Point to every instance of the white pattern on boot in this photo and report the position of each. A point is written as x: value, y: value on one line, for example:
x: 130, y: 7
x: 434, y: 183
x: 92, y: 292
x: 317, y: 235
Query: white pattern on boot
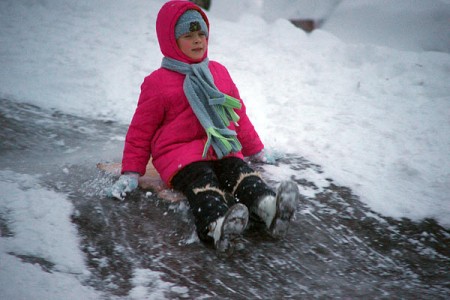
x: 217, y: 229
x: 266, y: 209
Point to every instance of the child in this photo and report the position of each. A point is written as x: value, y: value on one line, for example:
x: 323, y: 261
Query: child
x: 191, y: 120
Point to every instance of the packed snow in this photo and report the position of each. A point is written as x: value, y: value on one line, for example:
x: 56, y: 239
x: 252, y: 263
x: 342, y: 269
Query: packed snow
x: 370, y: 104
x: 44, y: 236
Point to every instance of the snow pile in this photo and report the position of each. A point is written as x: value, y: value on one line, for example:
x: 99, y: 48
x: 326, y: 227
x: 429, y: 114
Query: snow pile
x: 38, y: 241
x: 376, y: 119
x: 275, y: 9
x: 411, y: 25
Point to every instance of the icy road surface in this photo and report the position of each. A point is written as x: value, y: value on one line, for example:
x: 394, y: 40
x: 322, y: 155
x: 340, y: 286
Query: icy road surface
x: 145, y: 248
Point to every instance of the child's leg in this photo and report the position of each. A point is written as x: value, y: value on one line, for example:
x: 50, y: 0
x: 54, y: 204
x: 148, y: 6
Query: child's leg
x: 241, y: 181
x: 275, y: 210
x: 200, y: 185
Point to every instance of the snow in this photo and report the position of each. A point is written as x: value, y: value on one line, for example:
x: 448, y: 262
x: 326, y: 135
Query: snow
x: 412, y: 25
x: 44, y: 234
x: 370, y: 104
x: 148, y: 285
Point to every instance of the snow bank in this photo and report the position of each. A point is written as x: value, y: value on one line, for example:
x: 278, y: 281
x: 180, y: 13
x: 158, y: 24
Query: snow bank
x: 39, y: 247
x: 377, y: 119
x: 411, y: 25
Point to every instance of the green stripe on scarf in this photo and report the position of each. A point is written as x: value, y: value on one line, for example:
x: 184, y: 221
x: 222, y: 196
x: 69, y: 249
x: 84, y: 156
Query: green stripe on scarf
x: 214, y: 109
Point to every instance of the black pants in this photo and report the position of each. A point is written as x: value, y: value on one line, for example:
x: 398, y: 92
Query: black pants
x: 209, y: 185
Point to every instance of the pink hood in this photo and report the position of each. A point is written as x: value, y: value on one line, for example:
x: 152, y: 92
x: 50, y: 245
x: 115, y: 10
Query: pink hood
x: 165, y: 28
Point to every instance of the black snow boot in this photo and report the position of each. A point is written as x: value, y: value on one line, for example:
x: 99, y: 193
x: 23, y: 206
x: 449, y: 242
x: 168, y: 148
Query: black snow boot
x: 227, y: 230
x: 278, y: 211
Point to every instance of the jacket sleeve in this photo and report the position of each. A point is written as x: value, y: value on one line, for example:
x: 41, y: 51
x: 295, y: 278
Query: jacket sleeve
x: 247, y: 135
x: 146, y: 120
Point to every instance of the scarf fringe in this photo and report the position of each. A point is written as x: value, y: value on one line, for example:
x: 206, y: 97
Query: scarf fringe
x: 221, y: 144
x: 225, y: 107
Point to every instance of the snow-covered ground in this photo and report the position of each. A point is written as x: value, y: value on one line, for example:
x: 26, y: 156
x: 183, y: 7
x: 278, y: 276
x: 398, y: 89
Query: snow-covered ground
x: 40, y: 219
x: 370, y: 104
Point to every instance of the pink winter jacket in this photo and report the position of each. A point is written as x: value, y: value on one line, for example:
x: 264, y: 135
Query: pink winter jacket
x: 164, y: 126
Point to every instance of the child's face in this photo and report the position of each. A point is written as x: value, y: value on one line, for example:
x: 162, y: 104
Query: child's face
x: 193, y: 44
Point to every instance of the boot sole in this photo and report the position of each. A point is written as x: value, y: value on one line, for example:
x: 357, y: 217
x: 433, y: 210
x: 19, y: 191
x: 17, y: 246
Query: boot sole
x: 287, y: 198
x: 234, y: 223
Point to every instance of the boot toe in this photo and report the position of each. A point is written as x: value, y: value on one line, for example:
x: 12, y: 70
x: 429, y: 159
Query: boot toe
x: 287, y: 198
x: 234, y: 223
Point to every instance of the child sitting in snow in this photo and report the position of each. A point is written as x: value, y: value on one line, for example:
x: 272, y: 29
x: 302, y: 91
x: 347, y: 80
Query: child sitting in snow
x: 192, y: 122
